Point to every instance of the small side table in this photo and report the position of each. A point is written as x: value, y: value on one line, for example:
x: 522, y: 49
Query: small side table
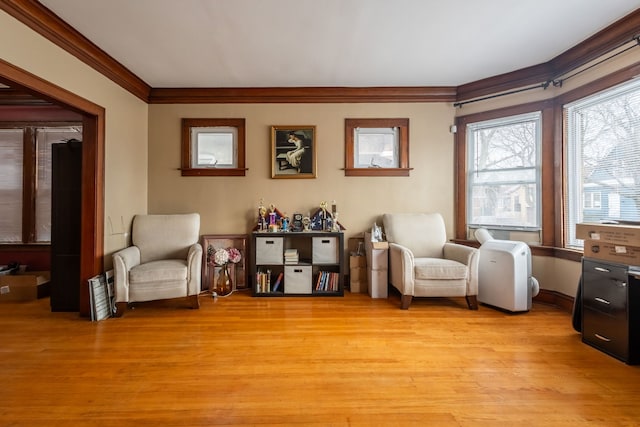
x: 377, y: 267
x: 239, y: 272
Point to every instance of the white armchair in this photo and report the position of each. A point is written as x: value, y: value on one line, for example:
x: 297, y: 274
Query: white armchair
x: 423, y: 264
x: 164, y: 261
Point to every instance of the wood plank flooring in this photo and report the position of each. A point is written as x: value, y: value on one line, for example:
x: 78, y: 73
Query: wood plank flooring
x: 352, y: 361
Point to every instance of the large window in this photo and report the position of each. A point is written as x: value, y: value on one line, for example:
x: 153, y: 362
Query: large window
x: 504, y: 173
x: 25, y: 181
x: 603, y: 158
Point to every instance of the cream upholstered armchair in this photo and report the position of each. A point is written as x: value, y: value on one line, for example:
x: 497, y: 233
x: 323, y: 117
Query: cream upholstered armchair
x: 164, y: 261
x: 423, y: 264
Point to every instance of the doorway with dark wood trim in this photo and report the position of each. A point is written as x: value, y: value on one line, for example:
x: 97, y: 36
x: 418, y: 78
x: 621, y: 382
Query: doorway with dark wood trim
x: 92, y: 204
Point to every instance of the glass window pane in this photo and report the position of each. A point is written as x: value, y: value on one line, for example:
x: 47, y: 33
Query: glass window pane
x: 11, y: 163
x: 214, y: 147
x: 504, y: 206
x: 376, y: 148
x: 504, y: 172
x: 603, y: 162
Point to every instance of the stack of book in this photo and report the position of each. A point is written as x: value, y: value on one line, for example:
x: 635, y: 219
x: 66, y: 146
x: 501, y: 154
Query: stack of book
x: 291, y: 256
x: 263, y: 281
x: 328, y: 281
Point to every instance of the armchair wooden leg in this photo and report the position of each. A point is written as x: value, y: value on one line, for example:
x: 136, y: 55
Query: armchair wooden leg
x: 472, y: 302
x: 120, y: 308
x: 405, y: 301
x: 195, y: 301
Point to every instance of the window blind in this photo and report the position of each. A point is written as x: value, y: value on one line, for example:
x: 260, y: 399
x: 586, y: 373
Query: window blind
x: 603, y: 158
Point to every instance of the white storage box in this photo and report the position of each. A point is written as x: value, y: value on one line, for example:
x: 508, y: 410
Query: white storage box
x: 325, y: 250
x: 379, y: 259
x: 269, y: 250
x: 297, y: 279
x: 378, y: 284
x: 377, y: 267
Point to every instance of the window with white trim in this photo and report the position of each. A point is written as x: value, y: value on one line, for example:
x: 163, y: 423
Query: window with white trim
x: 504, y: 173
x: 603, y: 158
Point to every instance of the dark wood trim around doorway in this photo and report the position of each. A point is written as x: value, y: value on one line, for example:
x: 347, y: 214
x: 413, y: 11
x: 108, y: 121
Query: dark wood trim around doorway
x: 92, y: 224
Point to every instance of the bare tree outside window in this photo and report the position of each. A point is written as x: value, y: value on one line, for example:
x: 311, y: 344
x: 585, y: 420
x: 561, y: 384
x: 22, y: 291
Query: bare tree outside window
x: 603, y: 168
x: 504, y: 170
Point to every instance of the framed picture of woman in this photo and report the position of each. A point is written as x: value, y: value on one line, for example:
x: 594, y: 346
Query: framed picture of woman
x: 293, y: 151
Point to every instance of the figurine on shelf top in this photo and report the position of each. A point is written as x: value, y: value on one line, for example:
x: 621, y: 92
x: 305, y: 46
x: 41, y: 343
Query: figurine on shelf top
x: 273, y: 219
x: 262, y: 212
x: 284, y: 222
x: 306, y: 222
x: 296, y: 223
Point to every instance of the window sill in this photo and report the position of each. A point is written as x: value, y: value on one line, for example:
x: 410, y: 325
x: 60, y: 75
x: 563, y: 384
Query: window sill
x: 214, y: 172
x: 377, y: 171
x: 536, y: 250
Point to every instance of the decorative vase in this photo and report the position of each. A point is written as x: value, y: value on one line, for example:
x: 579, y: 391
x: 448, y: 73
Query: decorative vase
x: 223, y: 284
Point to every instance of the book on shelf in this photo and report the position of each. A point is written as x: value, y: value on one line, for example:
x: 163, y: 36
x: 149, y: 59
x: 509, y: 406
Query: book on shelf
x: 263, y: 281
x: 278, y: 280
x: 327, y: 281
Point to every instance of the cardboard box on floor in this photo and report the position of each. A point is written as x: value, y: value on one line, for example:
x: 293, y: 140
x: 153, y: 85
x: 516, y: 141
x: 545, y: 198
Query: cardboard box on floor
x: 24, y: 286
x: 621, y: 234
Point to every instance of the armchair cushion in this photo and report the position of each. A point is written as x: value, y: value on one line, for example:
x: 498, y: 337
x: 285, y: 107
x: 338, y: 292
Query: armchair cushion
x: 172, y: 270
x: 439, y: 269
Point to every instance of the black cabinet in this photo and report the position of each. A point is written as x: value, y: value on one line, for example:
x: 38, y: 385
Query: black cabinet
x: 610, y: 299
x: 66, y: 187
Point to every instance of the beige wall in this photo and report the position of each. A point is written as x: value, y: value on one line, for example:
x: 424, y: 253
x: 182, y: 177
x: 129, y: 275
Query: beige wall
x: 229, y: 204
x: 126, y: 120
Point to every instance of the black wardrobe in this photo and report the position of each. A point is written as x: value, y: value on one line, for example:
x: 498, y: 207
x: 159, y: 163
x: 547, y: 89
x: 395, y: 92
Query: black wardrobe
x: 66, y: 186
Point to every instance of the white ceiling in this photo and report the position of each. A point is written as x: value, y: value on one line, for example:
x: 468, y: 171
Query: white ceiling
x: 360, y: 43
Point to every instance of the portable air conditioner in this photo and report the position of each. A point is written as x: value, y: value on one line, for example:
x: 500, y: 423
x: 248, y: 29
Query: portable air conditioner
x: 504, y: 273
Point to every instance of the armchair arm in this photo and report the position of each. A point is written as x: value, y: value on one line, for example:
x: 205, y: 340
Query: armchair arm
x: 194, y: 269
x: 123, y: 261
x: 401, y: 268
x: 468, y: 256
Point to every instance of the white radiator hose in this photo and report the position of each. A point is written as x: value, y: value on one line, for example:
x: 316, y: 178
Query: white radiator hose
x: 483, y: 235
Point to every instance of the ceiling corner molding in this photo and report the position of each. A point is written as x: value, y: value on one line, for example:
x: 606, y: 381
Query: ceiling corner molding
x: 505, y: 82
x: 301, y: 95
x: 606, y: 40
x: 43, y: 21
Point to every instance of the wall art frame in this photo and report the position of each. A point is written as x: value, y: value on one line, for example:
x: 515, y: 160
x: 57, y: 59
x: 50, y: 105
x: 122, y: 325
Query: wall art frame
x: 293, y: 151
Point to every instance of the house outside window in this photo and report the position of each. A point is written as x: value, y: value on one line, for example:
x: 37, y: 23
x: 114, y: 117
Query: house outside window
x: 504, y: 173
x: 592, y: 199
x: 603, y: 158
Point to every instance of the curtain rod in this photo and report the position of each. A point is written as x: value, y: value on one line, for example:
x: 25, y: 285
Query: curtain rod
x: 556, y: 82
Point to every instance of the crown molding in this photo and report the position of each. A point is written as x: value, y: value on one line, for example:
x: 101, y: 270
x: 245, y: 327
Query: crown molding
x: 301, y: 95
x: 43, y: 21
x: 612, y: 37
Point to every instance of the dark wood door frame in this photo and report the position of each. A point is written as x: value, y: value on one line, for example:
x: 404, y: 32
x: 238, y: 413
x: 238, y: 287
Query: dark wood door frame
x: 92, y: 222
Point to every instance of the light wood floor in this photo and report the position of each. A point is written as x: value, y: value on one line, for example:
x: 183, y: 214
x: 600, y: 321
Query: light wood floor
x: 351, y: 361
